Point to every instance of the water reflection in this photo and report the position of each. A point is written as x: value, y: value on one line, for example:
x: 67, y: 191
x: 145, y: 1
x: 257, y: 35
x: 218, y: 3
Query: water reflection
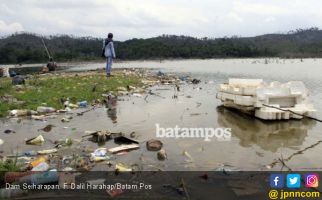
x: 269, y: 136
x: 111, y: 103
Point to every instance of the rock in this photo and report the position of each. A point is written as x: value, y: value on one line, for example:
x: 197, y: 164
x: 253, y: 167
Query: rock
x: 154, y: 145
x: 1, y: 142
x: 162, y: 155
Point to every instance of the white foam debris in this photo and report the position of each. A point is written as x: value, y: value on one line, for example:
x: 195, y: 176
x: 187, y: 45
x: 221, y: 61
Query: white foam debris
x: 256, y: 97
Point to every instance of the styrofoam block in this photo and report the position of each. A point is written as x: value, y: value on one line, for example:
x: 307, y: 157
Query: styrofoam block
x: 245, y: 82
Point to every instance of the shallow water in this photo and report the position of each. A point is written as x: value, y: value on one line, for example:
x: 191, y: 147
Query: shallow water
x: 253, y: 145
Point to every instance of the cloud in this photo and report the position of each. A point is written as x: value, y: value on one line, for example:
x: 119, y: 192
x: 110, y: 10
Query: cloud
x: 10, y: 28
x: 145, y: 18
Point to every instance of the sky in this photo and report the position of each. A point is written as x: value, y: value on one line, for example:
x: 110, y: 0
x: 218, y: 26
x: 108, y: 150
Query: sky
x: 128, y: 19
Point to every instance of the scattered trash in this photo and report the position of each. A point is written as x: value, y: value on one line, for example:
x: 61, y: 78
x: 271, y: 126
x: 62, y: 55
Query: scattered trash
x: 68, y: 169
x: 121, y: 89
x: 43, y: 109
x: 47, y: 128
x: 99, y: 155
x: 30, y: 153
x: 267, y: 101
x: 18, y: 80
x: 1, y: 142
x: 38, y: 117
x: 185, y: 153
x: 183, y: 78
x: 83, y: 104
x: 120, y: 167
x: 63, y: 142
x: 65, y: 120
x: 47, y: 151
x: 22, y: 113
x: 98, y: 136
x: 38, y: 161
x: 99, y: 158
x: 133, y: 134
x: 162, y: 155
x: 137, y: 95
x: 67, y: 160
x: 124, y: 148
x: 154, y: 145
x: 99, y: 152
x: 130, y: 87
x: 71, y: 105
x: 160, y: 73
x: 195, y: 81
x: 124, y: 140
x: 41, y: 167
x: 36, y: 140
x: 8, y: 131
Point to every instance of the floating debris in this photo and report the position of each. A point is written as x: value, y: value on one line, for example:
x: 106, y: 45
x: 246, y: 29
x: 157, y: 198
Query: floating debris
x: 47, y: 151
x: 8, y: 131
x: 120, y: 167
x: 124, y: 148
x: 154, y: 145
x: 274, y: 101
x: 124, y: 140
x: 47, y: 128
x: 162, y: 155
x: 36, y: 140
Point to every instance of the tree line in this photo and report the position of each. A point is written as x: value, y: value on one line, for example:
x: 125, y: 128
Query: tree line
x: 28, y: 47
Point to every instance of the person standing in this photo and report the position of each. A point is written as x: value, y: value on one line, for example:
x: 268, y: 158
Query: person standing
x: 51, y: 65
x: 109, y: 53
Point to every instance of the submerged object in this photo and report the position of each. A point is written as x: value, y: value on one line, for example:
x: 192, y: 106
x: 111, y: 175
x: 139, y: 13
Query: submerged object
x: 274, y: 101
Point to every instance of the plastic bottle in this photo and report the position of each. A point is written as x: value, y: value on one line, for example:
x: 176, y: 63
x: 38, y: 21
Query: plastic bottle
x: 47, y: 151
x: 99, y: 159
x: 82, y: 104
x: 43, y: 109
